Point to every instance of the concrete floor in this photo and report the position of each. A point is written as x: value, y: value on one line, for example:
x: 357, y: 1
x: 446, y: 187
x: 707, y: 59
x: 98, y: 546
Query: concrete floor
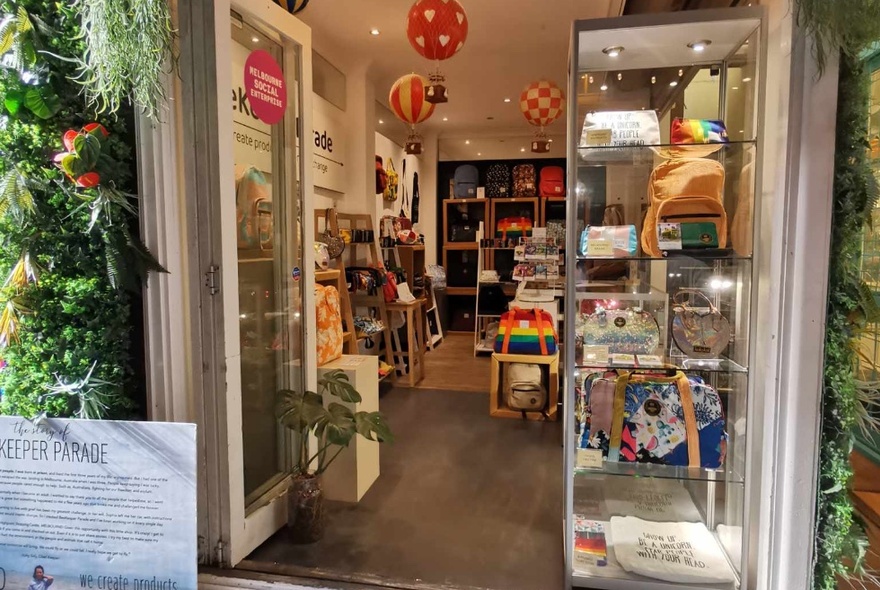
x: 464, y: 501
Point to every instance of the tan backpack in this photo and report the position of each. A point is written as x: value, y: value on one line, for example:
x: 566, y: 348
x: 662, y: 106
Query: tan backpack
x: 684, y: 190
x: 741, y: 229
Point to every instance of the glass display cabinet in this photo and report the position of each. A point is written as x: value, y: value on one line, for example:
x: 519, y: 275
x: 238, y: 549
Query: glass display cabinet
x: 663, y: 161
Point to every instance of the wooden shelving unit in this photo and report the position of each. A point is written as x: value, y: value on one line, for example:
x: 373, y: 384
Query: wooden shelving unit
x: 552, y: 203
x: 412, y: 261
x: 455, y: 252
x: 353, y: 253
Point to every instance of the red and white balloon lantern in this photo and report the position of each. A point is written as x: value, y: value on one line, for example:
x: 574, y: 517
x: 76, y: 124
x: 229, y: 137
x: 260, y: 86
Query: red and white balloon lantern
x: 408, y: 100
x: 542, y: 103
x: 437, y: 30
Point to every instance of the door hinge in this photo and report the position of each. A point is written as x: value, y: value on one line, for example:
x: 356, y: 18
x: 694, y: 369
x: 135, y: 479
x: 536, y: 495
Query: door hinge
x: 218, y: 551
x: 212, y: 279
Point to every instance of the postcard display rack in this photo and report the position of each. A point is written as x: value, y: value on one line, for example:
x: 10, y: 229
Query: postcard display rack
x: 657, y: 384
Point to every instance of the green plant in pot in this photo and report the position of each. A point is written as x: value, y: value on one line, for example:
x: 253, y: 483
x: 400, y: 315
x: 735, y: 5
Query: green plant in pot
x: 334, y: 426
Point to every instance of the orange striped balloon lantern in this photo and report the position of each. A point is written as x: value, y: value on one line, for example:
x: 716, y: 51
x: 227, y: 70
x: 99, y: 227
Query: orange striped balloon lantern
x: 408, y: 100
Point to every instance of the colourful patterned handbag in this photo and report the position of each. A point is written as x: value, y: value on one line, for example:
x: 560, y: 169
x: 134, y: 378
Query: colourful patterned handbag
x: 675, y: 420
x: 623, y: 331
x: 526, y: 331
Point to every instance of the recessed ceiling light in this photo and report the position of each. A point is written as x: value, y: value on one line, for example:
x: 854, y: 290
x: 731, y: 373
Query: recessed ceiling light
x: 522, y: 149
x: 619, y: 76
x: 700, y: 45
x: 747, y: 79
x: 674, y: 83
x: 591, y: 79
x: 613, y: 51
x: 479, y: 153
x: 445, y: 118
x: 255, y: 39
x: 680, y: 73
x: 550, y: 140
x: 735, y: 88
x: 653, y: 79
x: 381, y: 122
x: 467, y: 141
x: 506, y: 100
x: 603, y: 87
x: 374, y: 32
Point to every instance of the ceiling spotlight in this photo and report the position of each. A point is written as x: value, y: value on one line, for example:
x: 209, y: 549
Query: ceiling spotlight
x: 747, y: 79
x: 381, y: 122
x: 467, y: 141
x: 653, y: 79
x: 700, y: 45
x: 674, y: 83
x: 506, y: 100
x: 613, y: 51
x: 735, y: 88
x: 445, y: 118
x: 479, y: 153
x: 680, y: 73
x: 603, y: 87
x: 591, y: 79
x: 255, y: 39
x: 550, y: 140
x: 522, y: 149
x: 619, y: 76
x: 374, y: 32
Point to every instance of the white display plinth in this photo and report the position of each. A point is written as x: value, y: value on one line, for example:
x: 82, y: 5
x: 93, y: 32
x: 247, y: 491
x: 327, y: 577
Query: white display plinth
x: 357, y: 467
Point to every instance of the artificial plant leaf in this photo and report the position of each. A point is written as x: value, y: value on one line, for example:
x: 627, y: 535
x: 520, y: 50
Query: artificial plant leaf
x: 7, y: 33
x: 340, y: 427
x: 42, y: 102
x: 23, y: 21
x: 373, y: 426
x: 88, y: 148
x: 16, y: 198
x: 13, y: 100
x: 68, y: 138
x: 339, y: 385
x: 71, y: 164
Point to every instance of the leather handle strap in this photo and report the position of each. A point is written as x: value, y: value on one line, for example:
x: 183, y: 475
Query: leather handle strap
x: 690, y: 420
x: 677, y: 299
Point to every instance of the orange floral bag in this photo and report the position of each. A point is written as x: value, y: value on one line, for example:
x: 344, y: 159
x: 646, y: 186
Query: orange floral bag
x: 329, y: 320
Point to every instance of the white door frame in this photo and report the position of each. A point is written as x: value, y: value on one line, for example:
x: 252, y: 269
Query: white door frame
x: 194, y: 368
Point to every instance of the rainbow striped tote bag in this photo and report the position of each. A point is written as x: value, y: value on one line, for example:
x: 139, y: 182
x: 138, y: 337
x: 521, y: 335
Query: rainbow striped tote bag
x: 526, y: 331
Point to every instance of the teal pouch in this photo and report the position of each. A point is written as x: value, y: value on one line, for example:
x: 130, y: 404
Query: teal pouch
x: 699, y: 235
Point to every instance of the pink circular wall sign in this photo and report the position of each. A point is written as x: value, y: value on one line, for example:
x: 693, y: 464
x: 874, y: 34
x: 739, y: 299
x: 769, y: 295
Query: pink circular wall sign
x: 265, y: 87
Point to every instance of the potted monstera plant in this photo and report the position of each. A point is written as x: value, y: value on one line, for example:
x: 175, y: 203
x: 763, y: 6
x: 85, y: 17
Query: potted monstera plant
x: 334, y: 426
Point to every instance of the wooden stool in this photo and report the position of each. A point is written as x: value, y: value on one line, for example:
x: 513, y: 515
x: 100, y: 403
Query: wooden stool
x: 415, y: 338
x: 496, y: 403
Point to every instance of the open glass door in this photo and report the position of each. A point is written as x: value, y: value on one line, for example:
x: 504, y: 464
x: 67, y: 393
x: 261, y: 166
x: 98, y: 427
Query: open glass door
x: 263, y: 259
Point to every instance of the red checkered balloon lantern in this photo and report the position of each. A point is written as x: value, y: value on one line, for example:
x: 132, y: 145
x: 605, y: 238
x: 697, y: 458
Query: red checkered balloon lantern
x: 408, y: 100
x: 437, y: 30
x: 542, y: 103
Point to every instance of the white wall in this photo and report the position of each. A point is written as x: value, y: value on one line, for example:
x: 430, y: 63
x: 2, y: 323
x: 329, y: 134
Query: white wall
x: 426, y: 166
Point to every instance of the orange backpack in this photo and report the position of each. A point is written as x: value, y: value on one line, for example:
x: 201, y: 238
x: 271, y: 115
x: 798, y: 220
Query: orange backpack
x: 685, y: 190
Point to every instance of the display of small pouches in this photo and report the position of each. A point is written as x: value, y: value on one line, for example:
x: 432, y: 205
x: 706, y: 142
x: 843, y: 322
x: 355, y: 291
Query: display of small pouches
x: 322, y: 256
x: 615, y: 241
x: 699, y: 332
x: 623, y: 331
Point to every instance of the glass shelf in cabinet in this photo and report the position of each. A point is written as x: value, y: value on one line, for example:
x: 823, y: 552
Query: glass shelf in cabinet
x: 620, y: 469
x: 719, y: 365
x: 709, y: 255
x: 645, y: 154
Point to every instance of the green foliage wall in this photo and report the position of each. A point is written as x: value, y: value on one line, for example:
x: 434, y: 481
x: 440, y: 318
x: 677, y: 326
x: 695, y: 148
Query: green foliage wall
x: 74, y: 322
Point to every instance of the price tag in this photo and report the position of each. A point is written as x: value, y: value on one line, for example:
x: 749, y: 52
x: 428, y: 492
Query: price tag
x: 598, y: 136
x: 589, y: 459
x: 524, y: 324
x: 596, y: 355
x: 539, y: 232
x: 600, y: 248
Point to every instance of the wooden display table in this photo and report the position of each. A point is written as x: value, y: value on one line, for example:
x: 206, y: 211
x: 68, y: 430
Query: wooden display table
x: 414, y: 355
x: 497, y: 407
x: 357, y: 467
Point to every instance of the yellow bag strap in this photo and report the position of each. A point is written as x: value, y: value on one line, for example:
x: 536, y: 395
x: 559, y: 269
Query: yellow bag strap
x: 687, y: 405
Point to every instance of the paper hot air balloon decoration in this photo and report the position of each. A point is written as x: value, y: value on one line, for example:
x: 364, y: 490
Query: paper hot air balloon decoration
x: 408, y: 100
x: 437, y: 30
x: 542, y: 103
x: 292, y: 6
